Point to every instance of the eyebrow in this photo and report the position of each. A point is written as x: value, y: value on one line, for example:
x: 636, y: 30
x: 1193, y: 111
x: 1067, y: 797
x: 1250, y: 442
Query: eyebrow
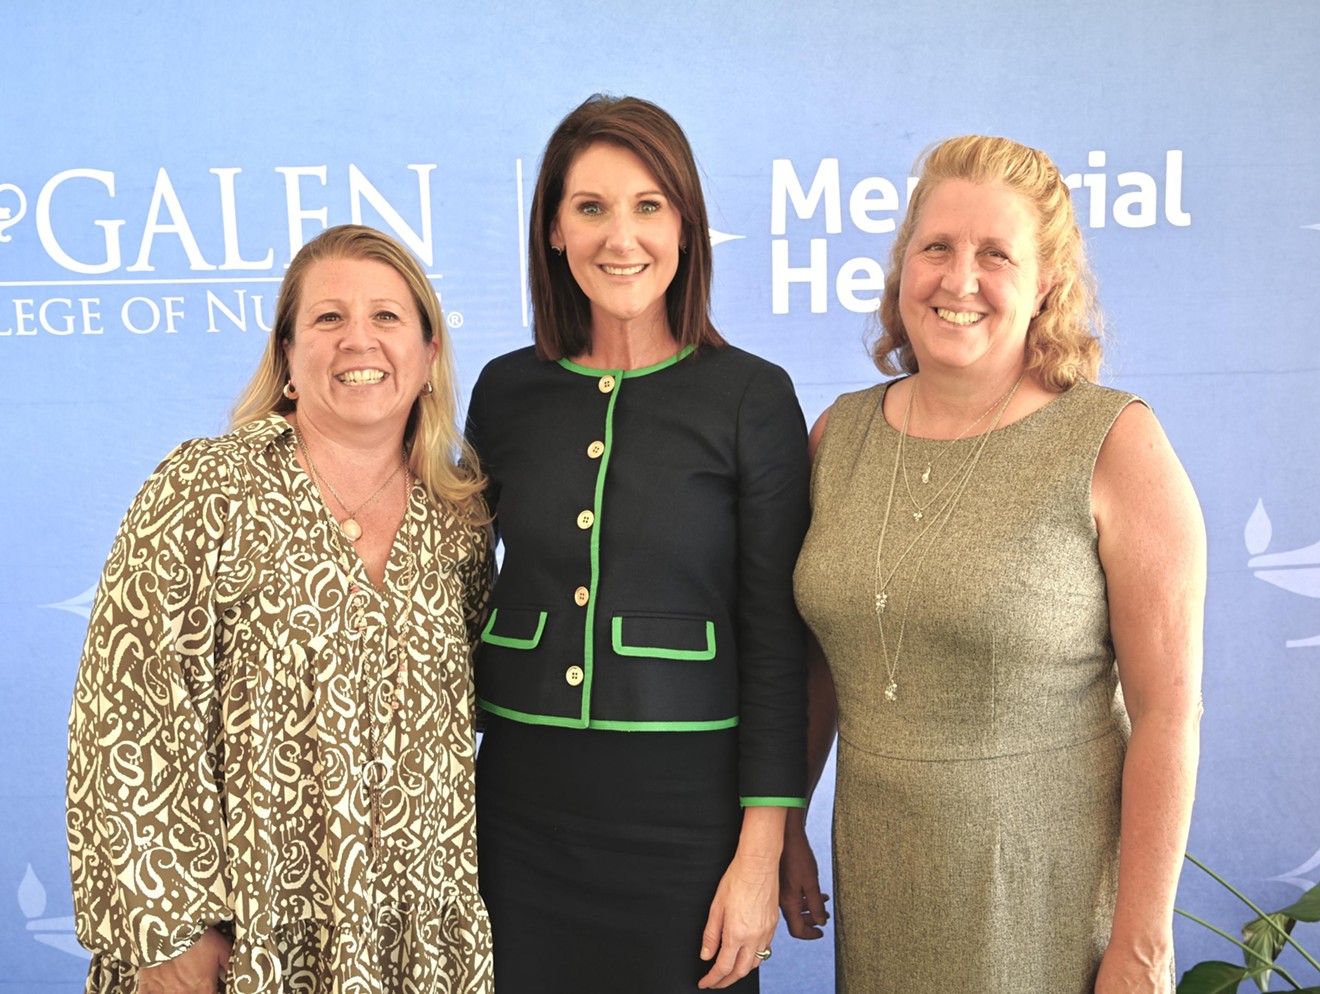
x: 339, y: 302
x: 591, y: 193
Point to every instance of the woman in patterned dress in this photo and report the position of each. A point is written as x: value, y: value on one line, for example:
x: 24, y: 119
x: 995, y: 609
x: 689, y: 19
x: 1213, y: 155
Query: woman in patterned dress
x: 271, y: 747
x: 1006, y: 573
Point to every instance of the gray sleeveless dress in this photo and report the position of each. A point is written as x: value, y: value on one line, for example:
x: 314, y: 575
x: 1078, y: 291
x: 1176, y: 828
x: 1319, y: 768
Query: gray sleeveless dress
x: 976, y: 813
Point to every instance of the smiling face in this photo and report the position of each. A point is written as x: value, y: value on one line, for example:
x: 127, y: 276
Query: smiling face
x: 358, y: 356
x: 971, y: 281
x: 620, y: 234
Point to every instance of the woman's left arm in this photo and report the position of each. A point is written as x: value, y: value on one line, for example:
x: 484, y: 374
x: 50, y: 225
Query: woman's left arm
x: 1152, y: 548
x: 773, y: 512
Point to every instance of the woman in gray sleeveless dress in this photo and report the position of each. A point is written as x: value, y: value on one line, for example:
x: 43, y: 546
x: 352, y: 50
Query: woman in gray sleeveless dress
x: 1005, y: 572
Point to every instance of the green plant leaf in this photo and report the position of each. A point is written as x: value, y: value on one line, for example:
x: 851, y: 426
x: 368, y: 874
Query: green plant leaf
x: 1213, y: 977
x: 1306, y: 908
x: 1264, y: 937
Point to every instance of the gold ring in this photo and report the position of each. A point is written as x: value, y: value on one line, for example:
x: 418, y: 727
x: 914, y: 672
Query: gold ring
x: 763, y: 954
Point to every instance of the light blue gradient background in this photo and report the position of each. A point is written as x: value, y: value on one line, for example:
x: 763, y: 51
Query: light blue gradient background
x: 1213, y: 322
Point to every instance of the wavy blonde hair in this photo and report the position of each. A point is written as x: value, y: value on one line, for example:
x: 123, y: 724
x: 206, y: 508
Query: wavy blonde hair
x: 1064, y: 340
x: 438, y: 454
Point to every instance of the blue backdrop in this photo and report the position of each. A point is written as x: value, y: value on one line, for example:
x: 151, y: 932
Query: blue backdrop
x: 160, y: 163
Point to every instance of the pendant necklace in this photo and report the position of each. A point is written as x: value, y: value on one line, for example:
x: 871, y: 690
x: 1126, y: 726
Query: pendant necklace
x: 932, y: 529
x: 919, y: 509
x: 349, y: 527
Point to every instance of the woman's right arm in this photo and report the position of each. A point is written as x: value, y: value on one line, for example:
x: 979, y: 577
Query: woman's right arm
x: 144, y: 807
x: 800, y: 898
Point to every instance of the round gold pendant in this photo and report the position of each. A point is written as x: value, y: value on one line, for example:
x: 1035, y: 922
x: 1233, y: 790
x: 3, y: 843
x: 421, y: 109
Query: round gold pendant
x: 351, y: 529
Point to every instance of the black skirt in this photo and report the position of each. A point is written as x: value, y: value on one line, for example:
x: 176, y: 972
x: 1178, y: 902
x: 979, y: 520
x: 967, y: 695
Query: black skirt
x: 600, y: 852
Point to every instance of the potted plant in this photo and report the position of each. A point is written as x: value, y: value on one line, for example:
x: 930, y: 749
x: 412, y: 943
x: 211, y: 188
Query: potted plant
x: 1264, y: 937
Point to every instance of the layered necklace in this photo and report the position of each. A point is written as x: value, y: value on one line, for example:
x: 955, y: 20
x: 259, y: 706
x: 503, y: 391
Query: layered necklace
x: 919, y: 509
x: 349, y: 527
x: 947, y: 498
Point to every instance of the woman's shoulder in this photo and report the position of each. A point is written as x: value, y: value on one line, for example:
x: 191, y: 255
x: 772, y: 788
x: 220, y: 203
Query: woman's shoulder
x: 517, y: 363
x: 222, y: 461
x: 733, y: 357
x: 857, y: 405
x: 1086, y: 394
x: 732, y: 365
x: 1090, y: 407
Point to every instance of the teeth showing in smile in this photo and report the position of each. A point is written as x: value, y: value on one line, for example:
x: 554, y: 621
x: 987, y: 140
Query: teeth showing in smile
x: 361, y: 377
x: 624, y: 270
x: 959, y: 317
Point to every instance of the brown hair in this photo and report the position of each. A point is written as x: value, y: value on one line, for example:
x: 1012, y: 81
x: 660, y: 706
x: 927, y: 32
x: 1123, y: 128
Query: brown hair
x: 437, y: 453
x: 1064, y: 340
x: 561, y: 311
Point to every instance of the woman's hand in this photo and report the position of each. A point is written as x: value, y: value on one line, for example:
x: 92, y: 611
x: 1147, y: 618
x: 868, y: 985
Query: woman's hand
x: 743, y: 915
x: 197, y: 971
x: 800, y: 898
x: 1122, y: 971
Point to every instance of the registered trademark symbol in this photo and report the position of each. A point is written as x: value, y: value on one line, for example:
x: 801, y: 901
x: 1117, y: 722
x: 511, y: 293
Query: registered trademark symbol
x: 454, y: 319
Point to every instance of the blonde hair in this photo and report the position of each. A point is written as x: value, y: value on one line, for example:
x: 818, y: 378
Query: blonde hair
x: 438, y: 454
x: 1063, y: 341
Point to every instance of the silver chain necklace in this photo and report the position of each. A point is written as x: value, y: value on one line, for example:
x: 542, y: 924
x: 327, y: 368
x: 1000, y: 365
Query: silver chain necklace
x: 941, y: 518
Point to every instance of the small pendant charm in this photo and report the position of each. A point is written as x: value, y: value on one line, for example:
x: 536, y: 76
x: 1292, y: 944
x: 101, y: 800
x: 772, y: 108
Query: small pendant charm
x: 881, y: 599
x: 925, y: 474
x: 891, y: 690
x: 351, y: 529
x: 917, y: 515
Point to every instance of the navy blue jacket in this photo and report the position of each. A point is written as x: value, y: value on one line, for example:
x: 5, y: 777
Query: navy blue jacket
x: 650, y: 521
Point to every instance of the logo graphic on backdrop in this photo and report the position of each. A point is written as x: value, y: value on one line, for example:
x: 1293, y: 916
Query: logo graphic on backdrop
x: 1296, y: 570
x: 8, y: 218
x: 80, y: 605
x: 1131, y: 199
x: 1295, y: 876
x: 77, y: 225
x: 57, y: 932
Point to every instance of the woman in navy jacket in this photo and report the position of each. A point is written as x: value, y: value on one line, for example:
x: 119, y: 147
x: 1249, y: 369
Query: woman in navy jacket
x: 642, y: 669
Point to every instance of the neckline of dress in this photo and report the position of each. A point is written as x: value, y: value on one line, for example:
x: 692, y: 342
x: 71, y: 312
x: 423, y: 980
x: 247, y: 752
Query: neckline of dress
x: 922, y: 440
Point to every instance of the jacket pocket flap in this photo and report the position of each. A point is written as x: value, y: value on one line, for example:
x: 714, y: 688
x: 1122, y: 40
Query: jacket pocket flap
x: 663, y: 637
x: 514, y: 627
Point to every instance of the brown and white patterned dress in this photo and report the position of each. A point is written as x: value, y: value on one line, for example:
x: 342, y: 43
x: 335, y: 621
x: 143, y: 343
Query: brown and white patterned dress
x: 233, y: 708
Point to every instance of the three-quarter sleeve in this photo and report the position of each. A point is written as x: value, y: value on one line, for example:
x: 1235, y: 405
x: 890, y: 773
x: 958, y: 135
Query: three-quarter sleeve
x: 145, y: 817
x: 773, y: 513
